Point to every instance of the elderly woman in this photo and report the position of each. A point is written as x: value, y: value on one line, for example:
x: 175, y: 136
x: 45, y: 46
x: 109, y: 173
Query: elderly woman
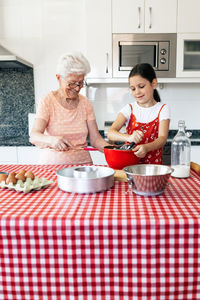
x: 65, y: 118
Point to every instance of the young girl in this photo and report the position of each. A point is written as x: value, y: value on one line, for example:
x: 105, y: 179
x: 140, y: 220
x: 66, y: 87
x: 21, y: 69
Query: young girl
x: 147, y: 120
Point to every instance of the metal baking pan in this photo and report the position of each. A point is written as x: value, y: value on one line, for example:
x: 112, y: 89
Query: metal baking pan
x: 85, y: 179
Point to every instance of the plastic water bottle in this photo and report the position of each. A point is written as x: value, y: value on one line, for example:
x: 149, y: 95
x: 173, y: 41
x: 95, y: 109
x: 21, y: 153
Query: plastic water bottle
x: 180, y: 152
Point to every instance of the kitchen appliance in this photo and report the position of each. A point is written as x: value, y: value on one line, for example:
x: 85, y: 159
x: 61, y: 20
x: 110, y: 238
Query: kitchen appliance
x: 159, y: 50
x: 148, y: 180
x: 118, y: 159
x: 85, y: 179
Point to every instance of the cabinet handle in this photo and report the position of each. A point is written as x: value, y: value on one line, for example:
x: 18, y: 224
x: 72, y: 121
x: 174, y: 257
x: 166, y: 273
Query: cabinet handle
x: 150, y: 17
x: 139, y: 16
x: 106, y: 62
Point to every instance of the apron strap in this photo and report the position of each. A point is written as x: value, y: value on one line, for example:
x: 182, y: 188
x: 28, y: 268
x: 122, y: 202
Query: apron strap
x: 160, y: 110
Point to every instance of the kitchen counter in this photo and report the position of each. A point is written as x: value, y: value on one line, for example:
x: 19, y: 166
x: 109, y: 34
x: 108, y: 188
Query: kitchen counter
x: 112, y: 244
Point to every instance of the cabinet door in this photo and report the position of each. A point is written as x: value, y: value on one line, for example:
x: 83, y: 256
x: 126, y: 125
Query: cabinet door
x: 28, y: 155
x: 188, y: 55
x: 99, y: 37
x: 160, y: 16
x: 188, y: 16
x: 8, y: 155
x: 98, y: 158
x: 195, y: 154
x: 127, y: 16
x: 133, y: 16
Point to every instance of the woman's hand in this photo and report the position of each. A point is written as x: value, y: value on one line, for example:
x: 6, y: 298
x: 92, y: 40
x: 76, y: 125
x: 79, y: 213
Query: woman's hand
x: 60, y: 143
x: 136, y: 137
x: 140, y: 150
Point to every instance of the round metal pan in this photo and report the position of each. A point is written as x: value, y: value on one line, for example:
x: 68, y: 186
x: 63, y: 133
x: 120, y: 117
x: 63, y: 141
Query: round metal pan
x: 85, y: 179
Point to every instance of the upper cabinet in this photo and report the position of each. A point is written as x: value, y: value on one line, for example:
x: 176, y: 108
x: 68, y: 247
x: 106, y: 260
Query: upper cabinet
x: 149, y: 16
x: 188, y: 16
x: 188, y: 55
x: 99, y: 38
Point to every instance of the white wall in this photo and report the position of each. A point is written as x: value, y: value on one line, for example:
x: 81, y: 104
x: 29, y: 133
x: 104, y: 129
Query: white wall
x: 41, y: 30
x: 183, y: 99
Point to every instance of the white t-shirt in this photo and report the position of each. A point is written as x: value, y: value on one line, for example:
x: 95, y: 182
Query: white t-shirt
x: 146, y: 114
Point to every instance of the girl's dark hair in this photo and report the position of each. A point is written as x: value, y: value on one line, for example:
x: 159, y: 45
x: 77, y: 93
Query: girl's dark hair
x: 146, y: 71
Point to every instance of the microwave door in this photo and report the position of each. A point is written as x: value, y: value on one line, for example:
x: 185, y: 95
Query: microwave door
x: 132, y: 53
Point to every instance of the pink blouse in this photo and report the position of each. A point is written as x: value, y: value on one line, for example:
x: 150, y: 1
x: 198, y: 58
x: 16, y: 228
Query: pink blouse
x: 69, y: 123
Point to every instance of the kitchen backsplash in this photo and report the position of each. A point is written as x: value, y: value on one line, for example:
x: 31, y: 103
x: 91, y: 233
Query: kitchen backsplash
x: 17, y: 99
x: 183, y: 100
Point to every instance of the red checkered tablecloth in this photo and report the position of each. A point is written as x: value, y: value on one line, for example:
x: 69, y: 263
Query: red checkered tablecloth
x: 108, y: 245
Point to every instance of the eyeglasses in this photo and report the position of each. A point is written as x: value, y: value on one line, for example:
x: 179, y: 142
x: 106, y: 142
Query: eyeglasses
x: 73, y: 85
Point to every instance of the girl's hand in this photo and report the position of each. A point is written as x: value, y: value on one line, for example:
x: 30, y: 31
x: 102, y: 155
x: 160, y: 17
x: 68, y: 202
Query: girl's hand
x: 136, y: 136
x: 140, y: 150
x: 60, y: 143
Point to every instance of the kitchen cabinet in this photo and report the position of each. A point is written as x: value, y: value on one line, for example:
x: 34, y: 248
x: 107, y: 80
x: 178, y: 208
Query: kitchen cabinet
x: 188, y: 16
x: 28, y: 155
x: 8, y: 155
x: 139, y: 16
x: 188, y: 55
x: 98, y: 158
x: 195, y: 154
x: 98, y: 38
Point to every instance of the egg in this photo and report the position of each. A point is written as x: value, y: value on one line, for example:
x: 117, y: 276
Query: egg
x: 3, y: 177
x: 20, y: 176
x: 29, y: 174
x: 23, y: 171
x: 11, y: 178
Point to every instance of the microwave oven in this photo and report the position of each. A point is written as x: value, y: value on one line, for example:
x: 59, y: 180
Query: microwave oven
x: 159, y: 50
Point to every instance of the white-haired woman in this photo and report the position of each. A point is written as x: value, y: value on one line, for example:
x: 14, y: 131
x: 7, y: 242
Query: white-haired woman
x: 65, y: 118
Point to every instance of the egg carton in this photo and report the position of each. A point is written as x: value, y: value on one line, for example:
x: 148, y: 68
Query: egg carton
x: 28, y: 185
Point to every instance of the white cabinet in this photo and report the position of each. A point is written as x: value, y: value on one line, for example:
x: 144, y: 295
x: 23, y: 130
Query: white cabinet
x: 188, y: 16
x: 188, y: 55
x: 195, y: 154
x: 28, y: 155
x: 98, y: 158
x: 138, y: 16
x: 98, y: 38
x: 8, y: 155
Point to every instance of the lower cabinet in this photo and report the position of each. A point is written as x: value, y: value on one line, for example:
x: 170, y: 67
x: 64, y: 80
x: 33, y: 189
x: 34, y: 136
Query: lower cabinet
x: 98, y: 158
x: 8, y: 155
x: 195, y: 154
x: 28, y: 155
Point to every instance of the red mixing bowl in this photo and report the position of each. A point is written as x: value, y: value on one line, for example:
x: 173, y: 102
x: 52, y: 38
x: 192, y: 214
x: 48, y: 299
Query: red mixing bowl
x: 118, y: 159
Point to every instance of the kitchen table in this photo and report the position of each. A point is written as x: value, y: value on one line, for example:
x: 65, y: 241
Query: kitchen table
x: 108, y: 245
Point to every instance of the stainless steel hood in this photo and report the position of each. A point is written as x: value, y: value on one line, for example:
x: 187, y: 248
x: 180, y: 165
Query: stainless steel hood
x: 10, y: 60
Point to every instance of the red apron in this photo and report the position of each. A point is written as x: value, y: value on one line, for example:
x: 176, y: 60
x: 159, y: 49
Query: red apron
x: 150, y: 131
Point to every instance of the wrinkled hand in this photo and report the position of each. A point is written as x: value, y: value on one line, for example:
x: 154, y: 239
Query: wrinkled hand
x: 60, y: 143
x: 140, y: 150
x: 136, y: 136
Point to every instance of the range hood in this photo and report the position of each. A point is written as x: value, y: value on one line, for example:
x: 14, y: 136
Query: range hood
x: 12, y: 61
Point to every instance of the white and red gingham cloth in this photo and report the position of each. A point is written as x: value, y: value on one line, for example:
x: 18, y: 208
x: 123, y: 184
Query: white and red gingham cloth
x: 108, y: 245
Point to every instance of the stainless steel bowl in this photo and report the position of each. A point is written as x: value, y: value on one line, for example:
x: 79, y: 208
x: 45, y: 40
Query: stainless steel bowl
x: 85, y: 179
x: 148, y: 180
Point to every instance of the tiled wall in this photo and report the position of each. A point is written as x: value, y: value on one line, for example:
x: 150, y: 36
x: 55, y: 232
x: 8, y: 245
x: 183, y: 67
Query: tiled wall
x: 16, y: 101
